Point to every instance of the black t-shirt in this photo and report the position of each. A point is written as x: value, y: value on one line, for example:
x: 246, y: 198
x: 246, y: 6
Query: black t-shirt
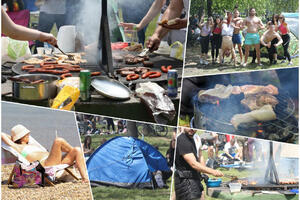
x: 185, y: 145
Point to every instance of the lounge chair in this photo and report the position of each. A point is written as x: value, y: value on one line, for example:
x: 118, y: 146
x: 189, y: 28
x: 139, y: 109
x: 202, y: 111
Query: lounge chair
x: 10, y: 156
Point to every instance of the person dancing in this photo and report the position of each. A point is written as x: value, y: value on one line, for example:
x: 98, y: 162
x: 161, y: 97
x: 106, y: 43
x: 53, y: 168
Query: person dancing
x: 284, y: 32
x: 216, y: 39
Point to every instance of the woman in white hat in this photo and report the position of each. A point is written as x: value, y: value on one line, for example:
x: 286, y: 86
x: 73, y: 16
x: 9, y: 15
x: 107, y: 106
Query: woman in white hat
x: 19, y: 140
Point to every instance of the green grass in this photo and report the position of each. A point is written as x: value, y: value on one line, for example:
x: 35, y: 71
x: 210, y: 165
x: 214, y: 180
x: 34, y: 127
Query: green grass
x: 114, y: 193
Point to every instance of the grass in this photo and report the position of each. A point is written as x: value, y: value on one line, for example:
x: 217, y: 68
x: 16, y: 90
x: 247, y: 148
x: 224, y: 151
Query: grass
x: 192, y: 66
x: 114, y: 193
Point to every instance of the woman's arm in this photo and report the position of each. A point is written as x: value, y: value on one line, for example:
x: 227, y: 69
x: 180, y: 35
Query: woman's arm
x: 153, y: 12
x: 7, y: 140
x: 18, y: 32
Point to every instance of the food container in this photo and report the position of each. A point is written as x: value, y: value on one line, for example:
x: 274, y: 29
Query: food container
x: 33, y: 92
x: 214, y: 182
x: 235, y: 187
x: 66, y: 38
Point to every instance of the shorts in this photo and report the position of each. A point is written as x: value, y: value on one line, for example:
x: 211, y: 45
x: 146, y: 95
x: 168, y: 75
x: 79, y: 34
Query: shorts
x: 252, y: 38
x: 237, y: 38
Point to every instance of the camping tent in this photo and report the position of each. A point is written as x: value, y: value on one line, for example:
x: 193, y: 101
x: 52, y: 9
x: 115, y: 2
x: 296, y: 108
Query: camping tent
x: 125, y: 162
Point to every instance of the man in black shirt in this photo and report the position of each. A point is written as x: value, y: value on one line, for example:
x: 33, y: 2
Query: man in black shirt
x: 187, y: 177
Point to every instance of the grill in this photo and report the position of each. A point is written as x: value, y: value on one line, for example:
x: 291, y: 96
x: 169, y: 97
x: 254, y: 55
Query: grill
x: 217, y: 118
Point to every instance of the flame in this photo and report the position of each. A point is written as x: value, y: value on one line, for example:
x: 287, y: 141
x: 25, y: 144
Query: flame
x: 260, y: 131
x: 253, y: 182
x: 259, y: 124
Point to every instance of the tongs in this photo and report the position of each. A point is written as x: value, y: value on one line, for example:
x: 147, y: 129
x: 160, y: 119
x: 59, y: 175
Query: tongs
x: 144, y: 52
x: 231, y: 177
x: 70, y: 57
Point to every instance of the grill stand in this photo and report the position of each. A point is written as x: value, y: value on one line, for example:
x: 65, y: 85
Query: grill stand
x: 104, y: 42
x: 271, y: 171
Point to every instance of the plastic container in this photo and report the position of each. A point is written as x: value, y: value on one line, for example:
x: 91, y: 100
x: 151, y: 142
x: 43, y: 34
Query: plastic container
x: 235, y: 187
x: 131, y: 36
x: 214, y: 182
x: 66, y: 38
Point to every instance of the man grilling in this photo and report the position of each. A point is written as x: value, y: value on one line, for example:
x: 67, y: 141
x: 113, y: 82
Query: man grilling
x: 187, y: 177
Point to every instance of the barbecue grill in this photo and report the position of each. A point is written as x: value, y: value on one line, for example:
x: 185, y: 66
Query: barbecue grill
x: 271, y: 179
x: 216, y: 117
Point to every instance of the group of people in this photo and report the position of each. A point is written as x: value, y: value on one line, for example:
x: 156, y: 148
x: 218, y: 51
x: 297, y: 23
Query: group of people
x: 225, y: 35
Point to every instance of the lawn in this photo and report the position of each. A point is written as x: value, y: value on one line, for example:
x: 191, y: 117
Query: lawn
x: 114, y: 193
x: 192, y: 66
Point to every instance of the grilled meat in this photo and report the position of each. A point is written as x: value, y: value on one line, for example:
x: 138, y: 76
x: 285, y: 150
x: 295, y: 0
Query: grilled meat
x: 215, y: 94
x: 254, y: 89
x: 265, y: 113
x: 256, y: 101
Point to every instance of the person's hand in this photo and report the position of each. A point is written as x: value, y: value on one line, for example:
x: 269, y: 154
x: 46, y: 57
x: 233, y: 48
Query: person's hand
x: 49, y: 38
x: 178, y: 24
x: 217, y: 173
x: 153, y: 43
x: 129, y: 26
x: 269, y: 45
x: 276, y: 45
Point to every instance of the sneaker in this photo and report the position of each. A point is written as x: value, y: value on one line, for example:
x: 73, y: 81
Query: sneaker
x: 241, y: 63
x: 290, y: 63
x: 201, y: 61
x: 205, y: 62
x: 260, y: 64
x: 244, y: 64
x: 284, y: 61
x: 275, y: 62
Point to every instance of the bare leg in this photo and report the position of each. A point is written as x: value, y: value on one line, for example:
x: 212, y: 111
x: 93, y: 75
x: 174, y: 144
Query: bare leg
x: 77, y: 155
x: 240, y: 52
x: 233, y: 56
x: 55, y: 156
x: 221, y: 56
x: 257, y: 49
x: 247, y: 48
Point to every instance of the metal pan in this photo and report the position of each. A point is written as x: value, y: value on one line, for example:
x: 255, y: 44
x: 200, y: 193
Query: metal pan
x: 111, y: 88
x: 35, y: 92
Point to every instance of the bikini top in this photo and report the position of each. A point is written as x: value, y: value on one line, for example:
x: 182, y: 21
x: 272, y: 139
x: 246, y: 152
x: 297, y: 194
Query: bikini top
x: 217, y: 30
x: 227, y: 30
x: 283, y: 28
x: 30, y: 149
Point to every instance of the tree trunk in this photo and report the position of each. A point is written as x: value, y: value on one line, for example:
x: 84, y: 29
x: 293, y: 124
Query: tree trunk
x: 209, y: 5
x: 131, y: 129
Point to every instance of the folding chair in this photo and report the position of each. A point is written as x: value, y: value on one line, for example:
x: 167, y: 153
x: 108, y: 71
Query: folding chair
x: 10, y: 155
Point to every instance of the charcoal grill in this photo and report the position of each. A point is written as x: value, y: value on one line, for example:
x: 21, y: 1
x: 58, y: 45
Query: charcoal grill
x: 217, y: 118
x: 271, y: 179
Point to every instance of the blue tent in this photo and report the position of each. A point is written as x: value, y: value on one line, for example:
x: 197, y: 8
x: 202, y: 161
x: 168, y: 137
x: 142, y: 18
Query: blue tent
x: 125, y: 162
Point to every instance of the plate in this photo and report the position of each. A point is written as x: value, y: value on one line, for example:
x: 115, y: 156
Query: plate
x: 110, y: 88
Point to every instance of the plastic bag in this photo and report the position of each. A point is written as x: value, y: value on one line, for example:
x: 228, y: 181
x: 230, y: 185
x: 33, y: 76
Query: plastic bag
x: 66, y: 98
x: 14, y: 50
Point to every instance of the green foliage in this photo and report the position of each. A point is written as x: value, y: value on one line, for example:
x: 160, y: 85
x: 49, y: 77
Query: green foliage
x: 262, y: 6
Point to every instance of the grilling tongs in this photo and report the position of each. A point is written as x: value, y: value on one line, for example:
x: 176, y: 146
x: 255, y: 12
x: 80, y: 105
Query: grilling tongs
x: 70, y: 57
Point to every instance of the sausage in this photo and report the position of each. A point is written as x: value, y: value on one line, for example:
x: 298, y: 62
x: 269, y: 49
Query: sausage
x: 125, y: 73
x: 64, y: 71
x: 95, y: 73
x: 74, y: 69
x: 63, y: 76
x: 165, y: 69
x: 155, y: 75
x: 151, y: 74
x: 27, y: 67
x: 48, y: 63
x: 131, y: 77
x: 37, y: 81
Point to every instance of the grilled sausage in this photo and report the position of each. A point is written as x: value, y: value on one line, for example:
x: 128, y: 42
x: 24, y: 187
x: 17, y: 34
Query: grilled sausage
x: 38, y: 81
x: 155, y: 75
x: 151, y: 74
x: 148, y: 64
x: 130, y: 77
x: 27, y: 67
x: 95, y: 73
x: 63, y: 76
x: 165, y: 69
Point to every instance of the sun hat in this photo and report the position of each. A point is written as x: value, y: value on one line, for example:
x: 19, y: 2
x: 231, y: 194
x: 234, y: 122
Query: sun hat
x: 19, y: 131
